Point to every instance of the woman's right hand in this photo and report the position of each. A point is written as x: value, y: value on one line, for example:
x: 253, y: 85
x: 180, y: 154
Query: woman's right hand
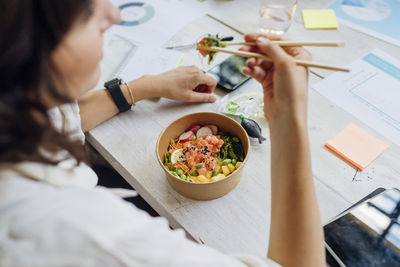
x: 294, y: 209
x: 284, y: 83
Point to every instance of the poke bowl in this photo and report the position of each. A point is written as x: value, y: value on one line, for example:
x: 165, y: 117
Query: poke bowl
x: 203, y: 154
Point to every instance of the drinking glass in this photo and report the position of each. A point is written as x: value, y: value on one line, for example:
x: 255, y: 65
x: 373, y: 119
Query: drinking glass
x: 276, y: 15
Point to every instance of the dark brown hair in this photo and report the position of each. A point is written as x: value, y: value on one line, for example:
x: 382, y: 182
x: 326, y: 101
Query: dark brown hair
x: 29, y: 31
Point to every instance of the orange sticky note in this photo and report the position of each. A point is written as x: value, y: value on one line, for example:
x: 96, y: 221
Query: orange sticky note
x: 356, y: 146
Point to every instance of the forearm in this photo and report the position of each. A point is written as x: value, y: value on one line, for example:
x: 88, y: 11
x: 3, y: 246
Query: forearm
x: 296, y: 234
x: 178, y: 84
x: 98, y: 106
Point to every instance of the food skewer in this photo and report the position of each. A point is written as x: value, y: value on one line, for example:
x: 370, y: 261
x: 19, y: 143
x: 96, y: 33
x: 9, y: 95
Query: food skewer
x: 265, y: 58
x: 297, y: 43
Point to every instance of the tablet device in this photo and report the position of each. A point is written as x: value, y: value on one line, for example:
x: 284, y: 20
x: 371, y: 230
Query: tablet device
x: 366, y: 235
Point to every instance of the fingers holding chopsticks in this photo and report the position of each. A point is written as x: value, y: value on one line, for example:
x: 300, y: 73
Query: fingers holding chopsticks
x: 295, y: 51
x: 258, y: 69
x: 253, y: 62
x: 252, y: 38
x: 284, y: 82
x: 254, y: 70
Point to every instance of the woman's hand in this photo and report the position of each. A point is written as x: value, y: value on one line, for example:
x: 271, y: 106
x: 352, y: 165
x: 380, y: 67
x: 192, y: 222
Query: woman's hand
x: 296, y: 237
x: 285, y: 84
x: 186, y: 83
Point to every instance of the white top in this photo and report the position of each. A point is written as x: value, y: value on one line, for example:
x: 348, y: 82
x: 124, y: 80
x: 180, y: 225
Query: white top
x: 56, y: 216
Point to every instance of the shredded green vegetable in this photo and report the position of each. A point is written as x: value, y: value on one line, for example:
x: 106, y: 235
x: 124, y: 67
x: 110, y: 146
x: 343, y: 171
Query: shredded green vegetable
x: 231, y: 149
x: 214, y: 40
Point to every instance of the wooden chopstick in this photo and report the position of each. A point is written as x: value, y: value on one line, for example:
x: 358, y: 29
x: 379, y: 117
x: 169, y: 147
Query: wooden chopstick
x: 263, y: 57
x: 297, y: 43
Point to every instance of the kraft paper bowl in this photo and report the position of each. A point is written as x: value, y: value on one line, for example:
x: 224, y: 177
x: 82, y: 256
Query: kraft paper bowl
x: 211, y: 190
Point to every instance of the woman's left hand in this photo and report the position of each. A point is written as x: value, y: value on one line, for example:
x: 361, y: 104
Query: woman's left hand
x: 187, y: 83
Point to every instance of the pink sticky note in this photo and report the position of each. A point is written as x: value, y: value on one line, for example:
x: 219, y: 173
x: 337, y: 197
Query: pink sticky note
x: 356, y: 146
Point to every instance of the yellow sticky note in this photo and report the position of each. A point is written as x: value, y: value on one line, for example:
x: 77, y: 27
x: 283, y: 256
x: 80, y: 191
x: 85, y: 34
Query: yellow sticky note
x: 356, y: 146
x: 315, y: 19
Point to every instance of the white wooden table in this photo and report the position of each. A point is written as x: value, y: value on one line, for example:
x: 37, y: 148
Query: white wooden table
x: 239, y: 221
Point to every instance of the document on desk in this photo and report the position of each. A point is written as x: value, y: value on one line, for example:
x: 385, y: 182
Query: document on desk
x: 153, y: 22
x: 378, y: 18
x: 371, y: 92
x: 146, y: 60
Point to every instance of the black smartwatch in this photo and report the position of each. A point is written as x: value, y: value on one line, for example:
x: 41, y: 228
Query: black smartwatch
x: 115, y: 90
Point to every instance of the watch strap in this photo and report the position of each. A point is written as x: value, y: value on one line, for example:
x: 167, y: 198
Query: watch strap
x: 115, y: 90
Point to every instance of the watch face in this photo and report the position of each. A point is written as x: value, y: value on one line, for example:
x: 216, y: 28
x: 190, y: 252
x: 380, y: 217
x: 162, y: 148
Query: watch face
x: 114, y: 81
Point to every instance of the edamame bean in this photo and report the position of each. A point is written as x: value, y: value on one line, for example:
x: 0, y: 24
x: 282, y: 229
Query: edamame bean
x: 234, y: 162
x: 235, y: 139
x: 174, y: 173
x: 179, y: 172
x: 227, y: 161
x: 215, y: 173
x: 199, y: 165
x: 183, y: 177
x: 195, y: 173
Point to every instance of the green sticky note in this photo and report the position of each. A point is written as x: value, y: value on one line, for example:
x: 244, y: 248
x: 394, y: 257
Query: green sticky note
x: 317, y: 19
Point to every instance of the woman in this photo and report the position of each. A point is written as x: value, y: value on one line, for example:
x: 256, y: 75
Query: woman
x: 52, y: 214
